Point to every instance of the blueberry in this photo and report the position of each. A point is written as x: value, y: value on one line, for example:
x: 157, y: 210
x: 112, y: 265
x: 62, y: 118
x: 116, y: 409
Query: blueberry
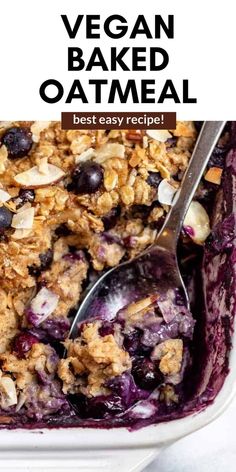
x: 103, y: 406
x: 18, y: 142
x: 171, y: 142
x: 56, y: 327
x: 110, y: 219
x: 132, y: 341
x: 112, y: 238
x: 45, y: 259
x: 87, y: 177
x: 62, y: 230
x: 140, y: 211
x: 146, y: 374
x: 99, y: 407
x: 25, y: 196
x: 154, y: 179
x: 217, y: 158
x: 23, y: 343
x: 106, y: 329
x: 5, y: 218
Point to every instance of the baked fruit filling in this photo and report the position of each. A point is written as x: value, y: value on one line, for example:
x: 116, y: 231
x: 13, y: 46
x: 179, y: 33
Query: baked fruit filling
x: 138, y: 358
x: 72, y: 205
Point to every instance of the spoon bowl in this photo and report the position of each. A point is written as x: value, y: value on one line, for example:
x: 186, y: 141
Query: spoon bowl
x: 154, y: 271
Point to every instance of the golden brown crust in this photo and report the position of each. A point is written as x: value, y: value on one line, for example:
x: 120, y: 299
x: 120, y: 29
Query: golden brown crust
x: 170, y: 354
x: 127, y: 158
x: 97, y: 357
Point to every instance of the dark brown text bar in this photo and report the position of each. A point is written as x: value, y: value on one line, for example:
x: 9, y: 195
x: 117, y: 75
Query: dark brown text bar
x: 106, y: 120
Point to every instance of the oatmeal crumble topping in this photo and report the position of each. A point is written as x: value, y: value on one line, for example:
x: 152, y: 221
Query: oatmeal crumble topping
x: 170, y: 354
x: 96, y: 357
x: 72, y: 204
x: 24, y: 371
x: 168, y: 395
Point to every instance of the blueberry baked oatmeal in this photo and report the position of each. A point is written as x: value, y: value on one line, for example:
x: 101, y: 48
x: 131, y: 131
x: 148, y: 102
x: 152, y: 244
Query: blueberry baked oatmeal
x: 72, y: 205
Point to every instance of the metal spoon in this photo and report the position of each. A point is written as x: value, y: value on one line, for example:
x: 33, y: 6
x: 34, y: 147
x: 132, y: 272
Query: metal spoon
x: 157, y: 267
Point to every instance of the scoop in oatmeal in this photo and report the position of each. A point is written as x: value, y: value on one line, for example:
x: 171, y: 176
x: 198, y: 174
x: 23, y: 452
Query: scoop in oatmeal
x: 105, y: 356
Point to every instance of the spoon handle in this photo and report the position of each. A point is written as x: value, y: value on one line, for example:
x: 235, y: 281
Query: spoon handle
x: 208, y: 137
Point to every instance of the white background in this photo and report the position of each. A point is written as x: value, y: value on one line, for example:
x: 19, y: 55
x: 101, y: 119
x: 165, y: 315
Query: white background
x: 212, y: 449
x: 34, y: 46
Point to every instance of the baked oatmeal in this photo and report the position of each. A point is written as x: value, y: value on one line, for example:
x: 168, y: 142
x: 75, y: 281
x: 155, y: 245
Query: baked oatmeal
x: 73, y: 204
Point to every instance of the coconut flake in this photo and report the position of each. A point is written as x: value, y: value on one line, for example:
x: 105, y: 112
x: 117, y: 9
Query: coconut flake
x: 159, y: 134
x: 4, y: 196
x: 37, y: 127
x: 43, y: 166
x: 23, y: 219
x: 85, y: 156
x: 143, y: 409
x: 108, y: 151
x: 33, y: 178
x: 8, y: 392
x: 132, y: 177
x: 21, y: 401
x: 198, y: 220
x: 165, y: 192
x: 42, y: 306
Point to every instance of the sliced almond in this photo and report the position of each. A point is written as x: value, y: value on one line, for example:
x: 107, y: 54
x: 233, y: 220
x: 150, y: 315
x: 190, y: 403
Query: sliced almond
x: 33, y: 178
x: 197, y: 223
x: 23, y: 219
x: 140, y: 305
x: 4, y: 196
x: 8, y: 392
x: 21, y: 401
x: 85, y: 156
x: 165, y: 192
x: 43, y: 305
x: 43, y: 166
x: 159, y: 134
x: 132, y: 177
x: 214, y: 175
